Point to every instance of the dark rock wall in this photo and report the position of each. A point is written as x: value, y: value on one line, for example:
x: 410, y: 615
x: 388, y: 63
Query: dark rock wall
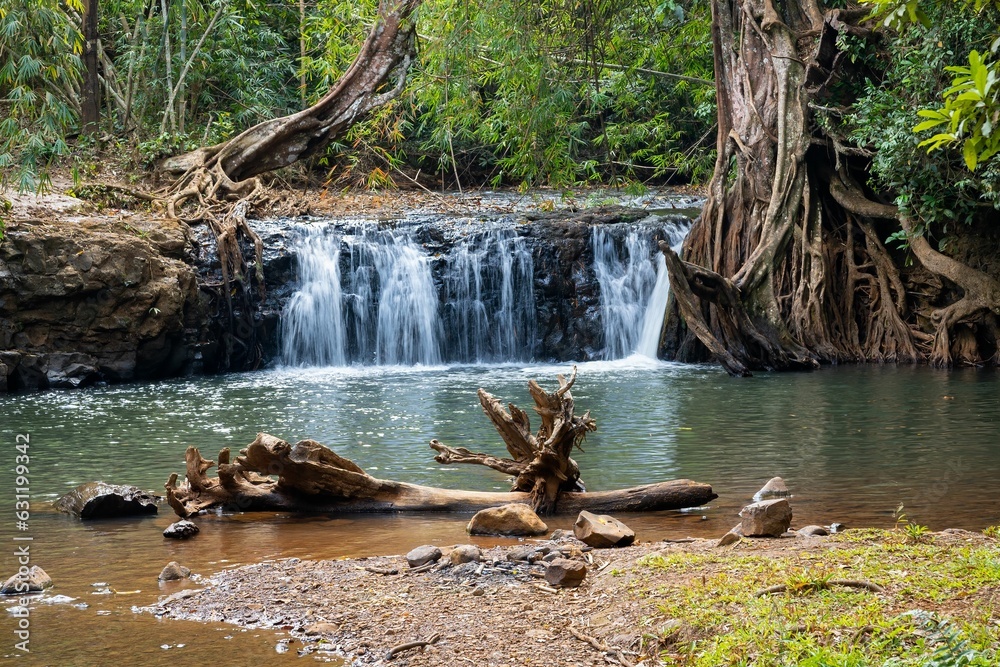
x: 85, y: 300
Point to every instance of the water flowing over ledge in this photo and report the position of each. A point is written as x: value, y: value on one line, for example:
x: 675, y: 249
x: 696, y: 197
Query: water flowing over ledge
x: 475, y: 292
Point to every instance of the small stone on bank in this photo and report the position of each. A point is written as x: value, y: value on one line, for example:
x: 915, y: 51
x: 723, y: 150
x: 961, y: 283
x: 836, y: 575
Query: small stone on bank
x: 465, y: 553
x: 423, y: 555
x: 768, y: 518
x: 181, y: 530
x: 35, y: 581
x: 174, y: 571
x: 812, y: 531
x: 565, y: 572
x: 602, y: 531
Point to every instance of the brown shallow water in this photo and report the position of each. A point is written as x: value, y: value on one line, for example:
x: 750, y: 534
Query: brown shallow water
x: 852, y: 443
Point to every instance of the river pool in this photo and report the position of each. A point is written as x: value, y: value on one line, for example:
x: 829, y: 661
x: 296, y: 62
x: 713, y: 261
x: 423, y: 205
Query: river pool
x: 852, y: 443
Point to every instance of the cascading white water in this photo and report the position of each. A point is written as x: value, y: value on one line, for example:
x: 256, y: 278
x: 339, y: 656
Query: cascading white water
x: 313, y: 328
x: 634, y: 285
x: 489, y: 303
x: 368, y: 296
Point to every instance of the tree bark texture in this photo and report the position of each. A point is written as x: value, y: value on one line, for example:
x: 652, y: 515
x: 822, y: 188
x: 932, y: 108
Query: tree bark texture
x: 781, y: 270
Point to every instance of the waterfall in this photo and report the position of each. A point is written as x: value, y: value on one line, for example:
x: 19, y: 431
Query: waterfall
x: 489, y: 302
x: 632, y: 275
x: 368, y: 295
x: 313, y: 330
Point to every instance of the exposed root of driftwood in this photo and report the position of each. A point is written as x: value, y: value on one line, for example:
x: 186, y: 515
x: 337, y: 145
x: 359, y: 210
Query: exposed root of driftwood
x: 821, y: 585
x: 541, y: 461
x: 396, y: 650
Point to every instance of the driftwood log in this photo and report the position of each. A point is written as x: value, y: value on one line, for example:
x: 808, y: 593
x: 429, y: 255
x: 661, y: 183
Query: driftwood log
x: 273, y: 475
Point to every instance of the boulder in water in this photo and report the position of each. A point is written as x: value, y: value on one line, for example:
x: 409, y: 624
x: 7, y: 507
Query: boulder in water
x: 510, y: 519
x: 100, y: 500
x: 174, y: 571
x: 181, y: 530
x: 34, y: 580
x: 775, y: 488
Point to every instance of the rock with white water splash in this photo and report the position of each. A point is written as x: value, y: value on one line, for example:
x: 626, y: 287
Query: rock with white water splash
x: 181, y: 530
x: 775, y: 488
x: 174, y: 571
x: 35, y: 580
x: 423, y: 555
x: 602, y: 531
x: 511, y: 519
x: 768, y: 518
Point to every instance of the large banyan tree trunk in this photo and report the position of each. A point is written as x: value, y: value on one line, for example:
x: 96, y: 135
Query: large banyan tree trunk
x: 271, y: 474
x: 785, y: 267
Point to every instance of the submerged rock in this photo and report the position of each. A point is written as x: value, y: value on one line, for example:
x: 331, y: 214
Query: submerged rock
x: 100, y: 500
x: 34, y: 581
x: 174, y: 571
x: 181, y: 530
x: 602, y: 531
x: 768, y: 518
x: 511, y: 519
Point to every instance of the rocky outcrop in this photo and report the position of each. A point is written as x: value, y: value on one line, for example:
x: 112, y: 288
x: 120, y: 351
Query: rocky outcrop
x: 84, y: 300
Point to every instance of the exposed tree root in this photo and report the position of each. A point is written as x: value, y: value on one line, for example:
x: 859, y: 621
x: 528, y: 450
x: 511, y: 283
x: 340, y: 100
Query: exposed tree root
x: 785, y: 268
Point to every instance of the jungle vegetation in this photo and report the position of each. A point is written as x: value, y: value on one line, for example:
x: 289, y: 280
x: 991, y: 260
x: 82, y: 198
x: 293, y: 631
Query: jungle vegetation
x: 852, y: 186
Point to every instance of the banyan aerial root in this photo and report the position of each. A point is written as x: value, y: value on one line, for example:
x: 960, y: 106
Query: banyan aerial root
x: 271, y: 474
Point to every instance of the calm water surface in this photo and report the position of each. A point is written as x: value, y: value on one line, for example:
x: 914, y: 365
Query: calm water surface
x: 852, y: 444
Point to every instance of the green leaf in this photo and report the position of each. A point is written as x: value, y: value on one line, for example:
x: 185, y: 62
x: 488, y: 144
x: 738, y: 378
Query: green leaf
x: 969, y: 153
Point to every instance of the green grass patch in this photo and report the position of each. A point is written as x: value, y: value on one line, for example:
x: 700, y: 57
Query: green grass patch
x: 936, y: 605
